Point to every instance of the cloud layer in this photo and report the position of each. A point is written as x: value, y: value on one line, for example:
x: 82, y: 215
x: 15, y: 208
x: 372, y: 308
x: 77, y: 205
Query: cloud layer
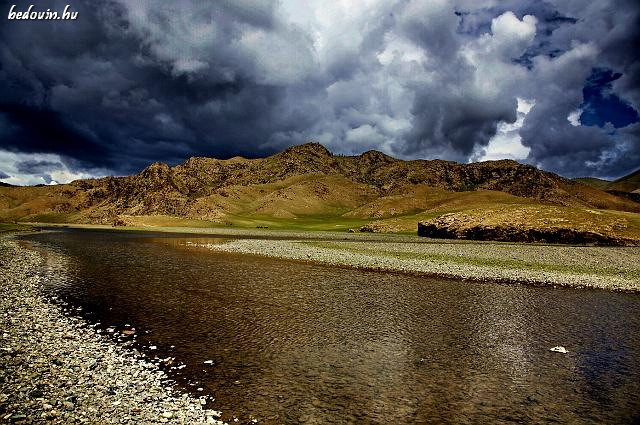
x: 128, y: 83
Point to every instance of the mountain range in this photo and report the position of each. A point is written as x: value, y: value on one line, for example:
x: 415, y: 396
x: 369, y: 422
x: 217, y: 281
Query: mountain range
x: 306, y: 186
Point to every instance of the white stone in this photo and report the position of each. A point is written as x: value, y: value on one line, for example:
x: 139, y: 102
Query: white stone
x: 559, y: 349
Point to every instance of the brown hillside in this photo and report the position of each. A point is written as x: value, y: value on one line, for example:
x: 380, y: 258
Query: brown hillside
x: 303, y: 184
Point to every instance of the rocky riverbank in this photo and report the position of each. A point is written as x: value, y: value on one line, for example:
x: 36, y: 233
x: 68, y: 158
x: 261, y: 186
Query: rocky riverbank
x: 572, y: 266
x: 56, y: 369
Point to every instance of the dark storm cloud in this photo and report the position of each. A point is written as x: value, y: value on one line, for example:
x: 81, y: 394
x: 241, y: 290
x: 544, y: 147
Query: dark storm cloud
x: 107, y: 95
x: 4, y: 175
x: 445, y: 126
x: 128, y: 83
x: 600, y: 47
x: 37, y: 130
x: 31, y: 166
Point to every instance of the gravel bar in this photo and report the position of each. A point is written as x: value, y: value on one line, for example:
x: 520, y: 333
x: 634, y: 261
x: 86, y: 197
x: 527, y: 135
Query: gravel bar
x: 57, y: 369
x: 571, y: 266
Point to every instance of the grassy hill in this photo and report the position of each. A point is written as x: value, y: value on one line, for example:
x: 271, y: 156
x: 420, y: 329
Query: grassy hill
x: 629, y: 183
x: 594, y: 182
x: 625, y: 187
x: 306, y: 187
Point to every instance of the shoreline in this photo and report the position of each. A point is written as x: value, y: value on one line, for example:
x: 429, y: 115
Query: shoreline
x: 294, y: 234
x: 616, y: 269
x: 247, y: 232
x: 58, y: 369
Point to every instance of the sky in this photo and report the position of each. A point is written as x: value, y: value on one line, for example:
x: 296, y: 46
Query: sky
x: 555, y: 84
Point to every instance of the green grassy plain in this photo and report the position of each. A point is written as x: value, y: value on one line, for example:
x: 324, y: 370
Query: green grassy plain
x: 13, y: 227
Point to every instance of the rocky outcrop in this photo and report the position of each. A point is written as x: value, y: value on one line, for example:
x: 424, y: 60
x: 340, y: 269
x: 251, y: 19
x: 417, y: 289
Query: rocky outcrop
x: 370, y: 228
x: 459, y: 226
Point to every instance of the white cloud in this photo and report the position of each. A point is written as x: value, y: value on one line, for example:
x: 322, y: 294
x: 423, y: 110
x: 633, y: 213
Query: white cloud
x: 365, y: 135
x: 507, y: 143
x: 281, y: 57
x: 54, y: 170
x: 574, y: 117
x: 397, y: 48
x: 508, y: 27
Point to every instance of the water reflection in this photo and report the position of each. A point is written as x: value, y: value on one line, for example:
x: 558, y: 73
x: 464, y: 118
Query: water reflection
x: 302, y: 343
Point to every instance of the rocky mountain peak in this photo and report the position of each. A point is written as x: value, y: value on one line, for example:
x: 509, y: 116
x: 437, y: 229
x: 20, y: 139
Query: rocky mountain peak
x: 375, y: 157
x: 156, y: 175
x: 310, y: 148
x: 156, y: 168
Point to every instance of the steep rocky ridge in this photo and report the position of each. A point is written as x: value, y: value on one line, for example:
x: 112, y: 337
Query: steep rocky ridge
x: 162, y: 189
x: 302, y: 181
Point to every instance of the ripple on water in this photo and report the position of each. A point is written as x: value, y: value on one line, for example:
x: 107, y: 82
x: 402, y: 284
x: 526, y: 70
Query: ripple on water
x: 295, y: 342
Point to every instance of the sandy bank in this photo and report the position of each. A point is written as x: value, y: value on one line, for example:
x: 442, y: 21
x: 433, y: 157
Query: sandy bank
x: 573, y: 266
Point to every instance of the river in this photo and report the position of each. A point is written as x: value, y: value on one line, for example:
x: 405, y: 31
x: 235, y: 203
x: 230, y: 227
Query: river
x: 295, y: 342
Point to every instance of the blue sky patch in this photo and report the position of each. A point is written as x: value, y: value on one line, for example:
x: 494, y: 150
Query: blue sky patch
x: 601, y: 105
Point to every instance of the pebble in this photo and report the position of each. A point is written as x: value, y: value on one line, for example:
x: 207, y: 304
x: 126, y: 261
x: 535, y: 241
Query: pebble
x: 559, y: 349
x: 75, y: 373
x: 470, y: 261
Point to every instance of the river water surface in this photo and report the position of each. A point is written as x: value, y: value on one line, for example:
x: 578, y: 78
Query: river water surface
x: 292, y: 342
